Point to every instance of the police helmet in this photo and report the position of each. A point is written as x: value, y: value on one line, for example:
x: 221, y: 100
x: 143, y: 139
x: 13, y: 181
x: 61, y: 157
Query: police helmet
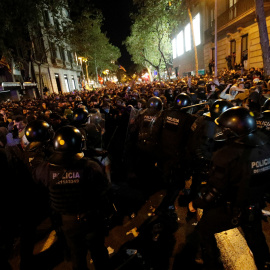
x: 182, y: 100
x: 67, y: 142
x: 235, y: 122
x: 218, y: 107
x: 80, y: 115
x: 38, y: 131
x: 154, y: 103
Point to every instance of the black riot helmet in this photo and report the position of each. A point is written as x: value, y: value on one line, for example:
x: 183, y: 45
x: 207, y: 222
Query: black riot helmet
x: 67, y: 142
x: 155, y: 103
x: 68, y: 139
x: 80, y: 115
x: 235, y: 122
x: 218, y: 107
x: 38, y: 131
x: 266, y: 105
x: 182, y: 100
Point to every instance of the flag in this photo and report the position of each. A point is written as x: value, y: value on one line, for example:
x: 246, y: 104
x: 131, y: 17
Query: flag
x: 4, y: 63
x: 100, y: 79
x: 121, y: 67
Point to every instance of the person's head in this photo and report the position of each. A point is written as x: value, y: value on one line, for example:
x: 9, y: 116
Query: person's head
x: 38, y: 131
x: 141, y: 104
x: 154, y: 103
x: 236, y: 122
x: 68, y: 143
x: 80, y: 116
x: 182, y: 100
x: 218, y: 107
x: 20, y: 122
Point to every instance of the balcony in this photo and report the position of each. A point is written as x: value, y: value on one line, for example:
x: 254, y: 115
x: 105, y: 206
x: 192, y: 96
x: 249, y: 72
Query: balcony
x: 57, y: 62
x: 240, y: 13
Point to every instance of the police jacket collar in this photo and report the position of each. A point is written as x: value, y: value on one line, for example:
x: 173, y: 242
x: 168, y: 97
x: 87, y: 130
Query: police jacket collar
x: 254, y: 139
x: 65, y: 158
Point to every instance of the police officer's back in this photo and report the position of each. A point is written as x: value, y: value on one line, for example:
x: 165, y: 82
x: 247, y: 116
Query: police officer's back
x: 238, y: 180
x: 263, y: 122
x: 201, y: 143
x: 174, y: 135
x: 39, y: 135
x: 76, y: 187
x: 176, y: 127
x: 147, y: 129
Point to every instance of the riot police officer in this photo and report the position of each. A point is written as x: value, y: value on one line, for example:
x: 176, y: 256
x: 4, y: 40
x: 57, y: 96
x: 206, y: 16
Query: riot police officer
x: 39, y: 134
x: 176, y: 123
x: 201, y: 143
x: 147, y: 129
x: 233, y: 195
x: 77, y: 186
x: 263, y: 122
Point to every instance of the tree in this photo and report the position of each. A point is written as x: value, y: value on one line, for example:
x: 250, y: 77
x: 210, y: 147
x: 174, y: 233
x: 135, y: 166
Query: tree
x: 149, y: 42
x: 264, y: 39
x: 22, y: 33
x: 88, y: 41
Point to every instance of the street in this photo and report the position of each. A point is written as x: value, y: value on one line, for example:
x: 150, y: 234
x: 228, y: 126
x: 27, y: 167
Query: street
x: 140, y: 241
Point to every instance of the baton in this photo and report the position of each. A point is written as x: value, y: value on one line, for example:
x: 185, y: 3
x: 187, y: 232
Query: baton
x: 195, y: 105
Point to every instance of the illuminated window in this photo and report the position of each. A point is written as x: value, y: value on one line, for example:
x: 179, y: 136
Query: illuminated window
x: 180, y: 43
x: 197, y: 29
x: 174, y: 48
x: 66, y: 83
x: 187, y: 38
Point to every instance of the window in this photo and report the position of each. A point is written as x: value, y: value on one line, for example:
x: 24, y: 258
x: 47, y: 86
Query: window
x: 70, y: 58
x: 233, y: 46
x: 213, y: 53
x: 73, y: 82
x: 62, y: 54
x: 187, y: 38
x: 197, y: 29
x: 212, y: 17
x: 232, y: 3
x: 180, y: 43
x: 232, y: 9
x: 174, y: 48
x: 53, y: 50
x: 66, y: 83
x: 244, y: 47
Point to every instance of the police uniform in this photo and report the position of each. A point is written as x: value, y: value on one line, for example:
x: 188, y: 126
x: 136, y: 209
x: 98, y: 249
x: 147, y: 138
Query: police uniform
x: 174, y: 136
x: 233, y: 195
x: 147, y: 129
x: 263, y: 123
x: 77, y: 186
x: 201, y: 143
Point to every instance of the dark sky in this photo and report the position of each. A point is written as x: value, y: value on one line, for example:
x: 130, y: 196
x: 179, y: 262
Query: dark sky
x: 117, y: 25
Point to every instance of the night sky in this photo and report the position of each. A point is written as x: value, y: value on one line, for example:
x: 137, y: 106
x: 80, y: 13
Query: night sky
x: 117, y: 25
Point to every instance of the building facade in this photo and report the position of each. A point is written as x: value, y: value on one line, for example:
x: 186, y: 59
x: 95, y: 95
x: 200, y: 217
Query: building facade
x: 60, y: 71
x: 237, y: 36
x: 52, y: 63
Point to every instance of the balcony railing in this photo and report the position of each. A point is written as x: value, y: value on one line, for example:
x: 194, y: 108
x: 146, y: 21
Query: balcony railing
x: 236, y: 10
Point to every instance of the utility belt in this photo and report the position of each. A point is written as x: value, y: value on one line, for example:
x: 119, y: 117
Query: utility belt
x: 247, y: 214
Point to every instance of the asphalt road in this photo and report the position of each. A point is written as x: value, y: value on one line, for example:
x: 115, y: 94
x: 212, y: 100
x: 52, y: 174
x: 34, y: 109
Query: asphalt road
x: 142, y: 240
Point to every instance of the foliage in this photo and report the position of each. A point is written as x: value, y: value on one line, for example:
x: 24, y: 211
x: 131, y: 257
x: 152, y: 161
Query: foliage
x: 16, y: 18
x: 88, y: 41
x: 149, y: 42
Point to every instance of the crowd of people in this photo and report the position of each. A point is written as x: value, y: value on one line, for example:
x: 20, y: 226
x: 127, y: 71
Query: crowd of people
x: 63, y: 154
